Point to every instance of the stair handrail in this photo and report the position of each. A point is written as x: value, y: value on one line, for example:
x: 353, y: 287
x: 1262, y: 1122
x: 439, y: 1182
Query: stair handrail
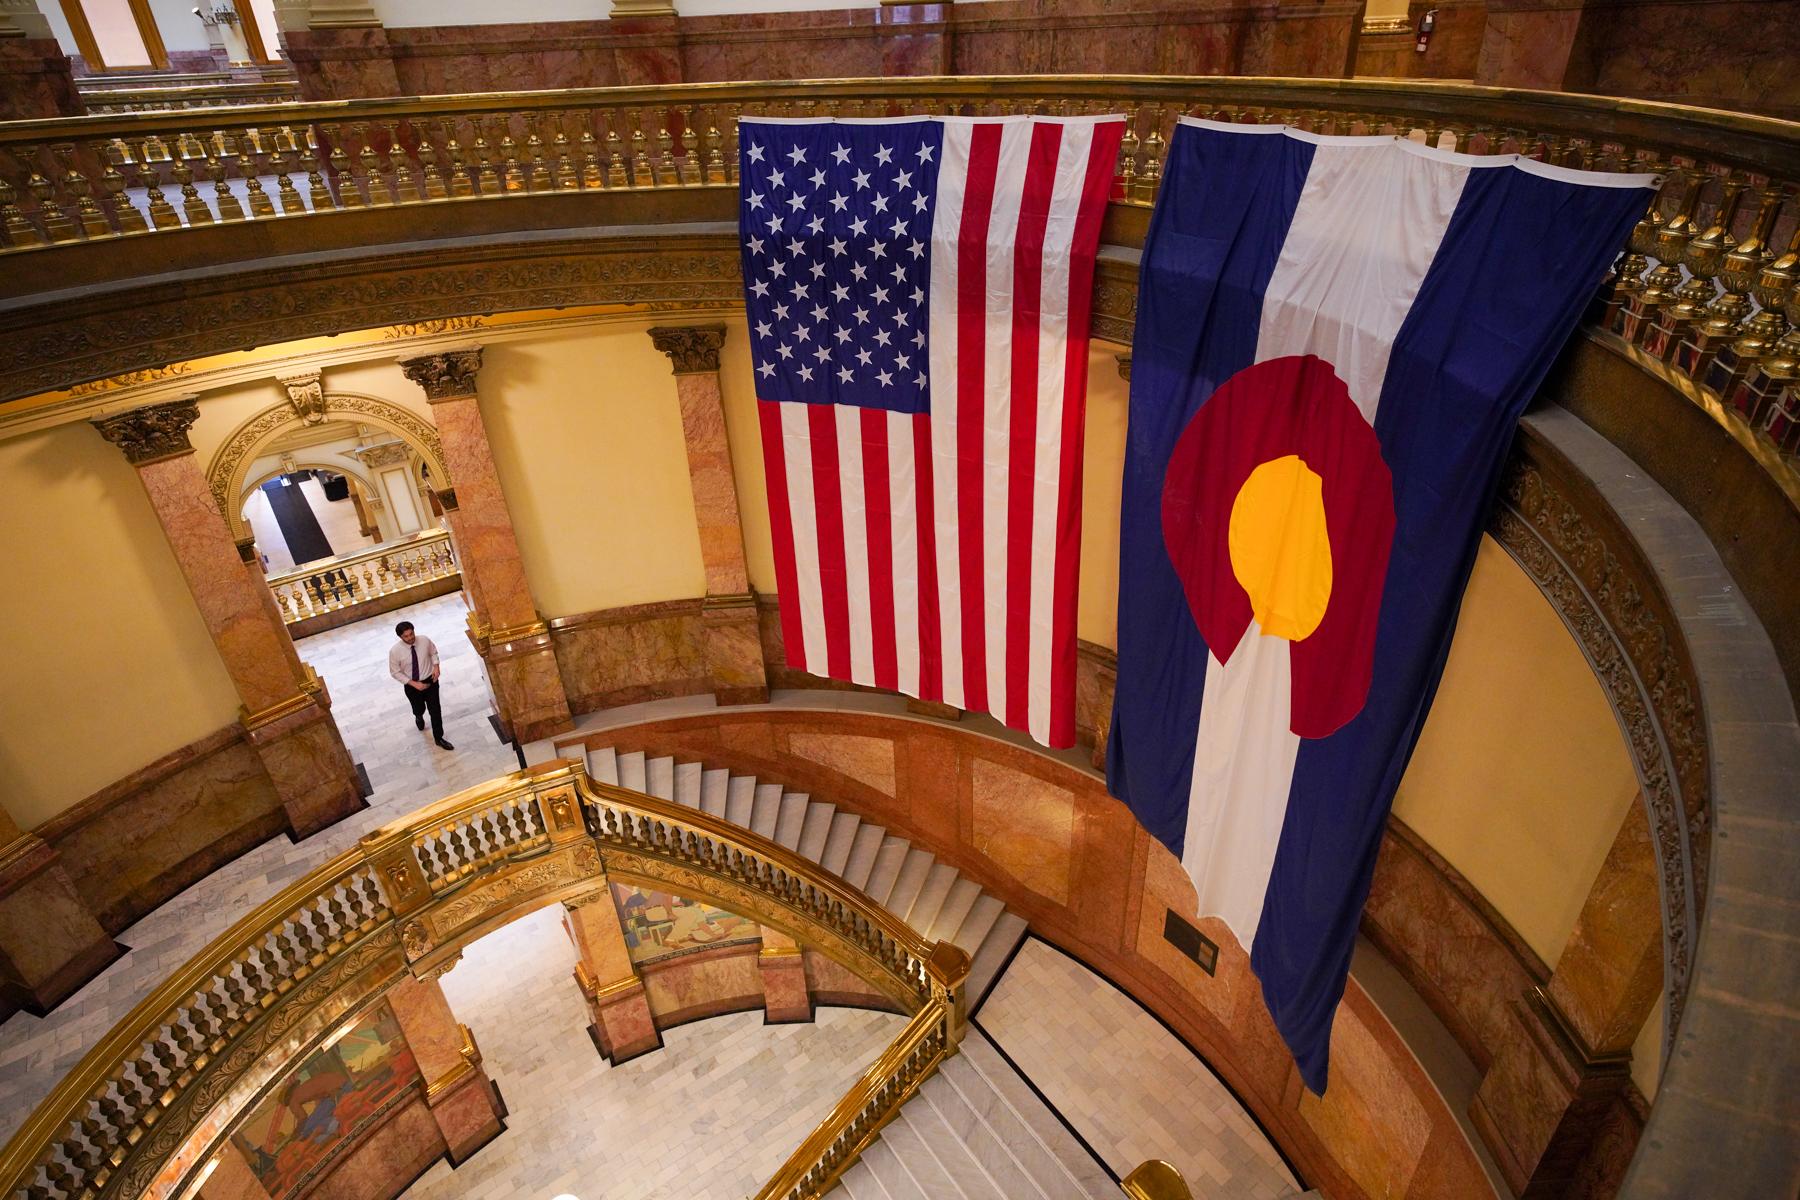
x: 148, y: 1106
x: 1156, y: 1179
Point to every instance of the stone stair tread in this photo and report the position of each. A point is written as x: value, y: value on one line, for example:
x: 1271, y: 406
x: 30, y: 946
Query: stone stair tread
x: 603, y: 765
x: 1085, y: 1176
x: 862, y: 854
x: 885, y: 1166
x: 815, y: 829
x: 927, y: 1174
x: 713, y: 786
x: 659, y: 777
x: 790, y: 817
x: 909, y: 881
x: 887, y: 865
x: 858, y: 1183
x: 765, y: 808
x: 974, y: 928
x: 631, y: 770
x: 740, y: 798
x: 996, y: 947
x: 687, y: 784
x: 950, y: 915
x: 997, y: 1136
x: 837, y: 847
x: 924, y: 910
x: 968, y: 1177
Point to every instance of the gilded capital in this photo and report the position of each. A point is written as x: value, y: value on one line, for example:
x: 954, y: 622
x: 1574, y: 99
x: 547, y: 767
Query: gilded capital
x: 447, y: 498
x: 151, y: 434
x: 382, y: 454
x: 692, y: 348
x: 246, y: 548
x: 446, y: 376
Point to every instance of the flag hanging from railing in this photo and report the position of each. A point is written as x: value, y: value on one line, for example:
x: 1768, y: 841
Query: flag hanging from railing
x: 918, y: 293
x: 1335, y: 338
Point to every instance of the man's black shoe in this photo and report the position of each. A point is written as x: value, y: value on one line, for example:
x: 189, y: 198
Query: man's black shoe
x: 443, y: 745
x: 419, y: 721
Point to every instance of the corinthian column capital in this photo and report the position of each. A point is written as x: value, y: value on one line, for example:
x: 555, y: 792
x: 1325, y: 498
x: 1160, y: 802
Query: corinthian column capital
x: 151, y: 434
x: 693, y: 349
x: 446, y: 376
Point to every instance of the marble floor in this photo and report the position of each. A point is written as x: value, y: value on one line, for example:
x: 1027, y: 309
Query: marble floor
x: 1127, y: 1084
x: 712, y: 1114
x: 337, y: 520
x: 406, y: 772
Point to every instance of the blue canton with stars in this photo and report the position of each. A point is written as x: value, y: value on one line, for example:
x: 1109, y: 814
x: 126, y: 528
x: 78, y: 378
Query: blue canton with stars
x: 835, y: 221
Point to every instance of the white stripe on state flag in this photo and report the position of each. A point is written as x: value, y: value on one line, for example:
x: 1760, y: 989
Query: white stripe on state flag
x: 854, y: 503
x: 996, y: 441
x: 1366, y: 228
x: 797, y: 454
x: 1053, y: 349
x: 945, y: 225
x: 903, y: 501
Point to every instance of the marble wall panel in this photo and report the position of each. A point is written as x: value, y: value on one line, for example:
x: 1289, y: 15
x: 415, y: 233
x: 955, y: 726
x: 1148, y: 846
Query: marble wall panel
x: 36, y: 80
x: 629, y: 655
x: 341, y: 64
x: 1096, y: 36
x: 692, y: 987
x: 1380, y: 1125
x: 433, y: 60
x: 143, y: 839
x: 827, y: 44
x: 832, y: 983
x: 1026, y: 826
x: 384, y: 1163
x: 869, y: 759
x: 1736, y: 54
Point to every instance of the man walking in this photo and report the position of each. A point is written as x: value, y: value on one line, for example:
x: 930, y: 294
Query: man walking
x: 413, y: 662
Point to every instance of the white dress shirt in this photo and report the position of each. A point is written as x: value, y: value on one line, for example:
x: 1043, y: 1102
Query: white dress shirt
x: 400, y: 659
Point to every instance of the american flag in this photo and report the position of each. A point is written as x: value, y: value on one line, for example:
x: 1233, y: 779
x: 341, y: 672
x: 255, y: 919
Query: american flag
x: 918, y: 294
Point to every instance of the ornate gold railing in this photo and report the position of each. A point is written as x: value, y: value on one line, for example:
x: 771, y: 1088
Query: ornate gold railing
x: 1707, y: 292
x: 1154, y: 1179
x: 151, y: 1103
x: 351, y: 579
x: 210, y: 93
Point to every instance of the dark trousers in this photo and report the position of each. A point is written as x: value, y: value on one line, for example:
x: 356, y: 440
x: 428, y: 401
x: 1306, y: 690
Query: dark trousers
x: 425, y: 698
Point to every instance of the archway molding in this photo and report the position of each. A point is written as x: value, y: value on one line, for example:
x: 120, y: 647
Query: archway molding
x: 231, y: 463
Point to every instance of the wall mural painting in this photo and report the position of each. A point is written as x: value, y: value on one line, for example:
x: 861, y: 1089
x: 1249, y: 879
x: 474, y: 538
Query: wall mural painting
x: 658, y: 924
x: 334, y: 1090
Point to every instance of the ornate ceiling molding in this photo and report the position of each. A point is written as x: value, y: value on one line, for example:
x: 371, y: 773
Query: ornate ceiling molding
x: 1595, y: 577
x: 228, y: 472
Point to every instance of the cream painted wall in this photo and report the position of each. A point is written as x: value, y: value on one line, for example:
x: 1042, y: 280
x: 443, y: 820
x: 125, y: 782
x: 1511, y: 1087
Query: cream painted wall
x: 586, y: 432
x: 107, y: 667
x: 1102, y: 471
x: 1520, y: 778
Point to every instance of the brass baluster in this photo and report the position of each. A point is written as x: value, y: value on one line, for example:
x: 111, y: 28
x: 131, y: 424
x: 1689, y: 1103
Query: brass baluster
x: 249, y: 146
x: 539, y: 177
x: 513, y: 175
x: 1128, y: 147
x: 1722, y: 320
x: 667, y: 174
x: 406, y: 188
x: 230, y: 209
x: 567, y: 179
x: 731, y: 148
x: 715, y: 161
x: 317, y: 190
x: 487, y: 182
x: 93, y: 220
x: 284, y: 144
x: 691, y: 175
x: 192, y: 206
x: 57, y: 223
x: 615, y: 158
x: 642, y: 174
x: 379, y: 195
x: 1144, y: 189
x: 150, y: 159
x: 593, y: 175
x: 350, y: 195
x: 435, y: 188
x: 1671, y: 239
x: 19, y: 231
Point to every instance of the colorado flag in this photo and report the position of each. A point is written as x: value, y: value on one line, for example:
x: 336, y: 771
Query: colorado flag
x: 1335, y: 339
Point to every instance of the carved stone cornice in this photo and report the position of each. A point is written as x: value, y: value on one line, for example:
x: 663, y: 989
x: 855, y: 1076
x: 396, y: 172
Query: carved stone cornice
x: 693, y: 349
x: 307, y: 394
x: 149, y: 435
x: 382, y: 454
x: 246, y: 548
x: 446, y: 376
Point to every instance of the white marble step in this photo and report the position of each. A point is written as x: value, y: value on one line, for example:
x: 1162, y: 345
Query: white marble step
x: 659, y: 778
x: 687, y: 784
x: 791, y: 818
x: 927, y: 1173
x: 974, y: 928
x: 713, y: 785
x: 837, y: 845
x: 740, y: 799
x: 924, y: 910
x: 993, y: 1133
x: 986, y: 961
x: 815, y: 829
x: 603, y: 765
x: 887, y: 865
x: 977, y: 1064
x: 631, y: 771
x: 862, y: 854
x: 969, y: 1178
x: 859, y: 1183
x: 909, y: 881
x: 950, y: 916
x: 765, y: 809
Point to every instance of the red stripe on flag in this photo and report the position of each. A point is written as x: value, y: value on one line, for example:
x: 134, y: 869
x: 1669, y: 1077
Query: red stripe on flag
x: 1028, y: 279
x: 828, y: 519
x: 971, y: 403
x: 1102, y: 155
x: 931, y: 645
x: 878, y: 507
x: 781, y: 528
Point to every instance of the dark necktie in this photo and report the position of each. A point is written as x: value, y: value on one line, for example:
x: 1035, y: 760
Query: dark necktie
x: 415, y: 651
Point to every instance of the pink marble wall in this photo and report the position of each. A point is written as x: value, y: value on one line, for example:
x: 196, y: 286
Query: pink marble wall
x: 36, y: 80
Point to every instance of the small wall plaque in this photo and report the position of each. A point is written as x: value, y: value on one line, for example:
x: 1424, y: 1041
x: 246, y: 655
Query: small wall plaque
x: 1191, y: 942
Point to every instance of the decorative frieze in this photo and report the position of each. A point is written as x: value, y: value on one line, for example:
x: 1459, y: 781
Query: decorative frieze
x: 691, y: 348
x: 151, y: 434
x: 446, y: 376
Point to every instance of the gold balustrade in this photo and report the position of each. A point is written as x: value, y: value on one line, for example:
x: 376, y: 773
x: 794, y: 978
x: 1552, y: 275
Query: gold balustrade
x: 1154, y: 1179
x: 1705, y: 292
x: 220, y: 93
x: 148, y: 1106
x: 334, y: 584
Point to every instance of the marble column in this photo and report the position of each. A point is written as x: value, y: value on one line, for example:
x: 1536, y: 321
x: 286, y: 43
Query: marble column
x: 622, y: 1027
x: 733, y: 636
x: 286, y: 712
x: 462, y: 1099
x: 50, y: 942
x: 1543, y: 1104
x: 512, y: 638
x: 786, y: 1000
